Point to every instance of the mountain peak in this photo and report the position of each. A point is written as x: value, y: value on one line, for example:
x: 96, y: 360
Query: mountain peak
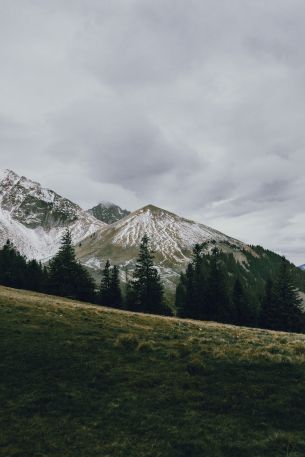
x: 152, y: 208
x: 106, y: 204
x: 34, y: 218
x: 172, y: 238
x: 5, y: 173
x: 108, y: 212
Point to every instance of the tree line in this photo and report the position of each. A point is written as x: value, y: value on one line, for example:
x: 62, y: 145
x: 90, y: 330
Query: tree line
x: 213, y: 287
x: 66, y: 277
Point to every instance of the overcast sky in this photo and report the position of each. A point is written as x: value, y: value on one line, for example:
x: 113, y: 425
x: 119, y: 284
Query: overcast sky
x: 197, y: 106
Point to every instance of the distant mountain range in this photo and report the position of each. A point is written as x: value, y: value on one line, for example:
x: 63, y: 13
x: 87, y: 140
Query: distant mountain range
x: 35, y: 218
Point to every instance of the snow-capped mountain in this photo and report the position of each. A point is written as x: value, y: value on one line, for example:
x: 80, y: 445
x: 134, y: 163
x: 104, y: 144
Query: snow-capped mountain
x: 172, y: 239
x: 35, y: 218
x: 108, y: 212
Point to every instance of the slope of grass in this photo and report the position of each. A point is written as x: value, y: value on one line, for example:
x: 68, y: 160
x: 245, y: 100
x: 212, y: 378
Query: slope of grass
x: 83, y: 381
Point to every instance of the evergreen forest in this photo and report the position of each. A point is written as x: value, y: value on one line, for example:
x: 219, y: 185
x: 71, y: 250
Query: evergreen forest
x: 263, y: 291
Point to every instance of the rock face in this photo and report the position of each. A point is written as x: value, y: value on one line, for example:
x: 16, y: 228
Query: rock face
x: 108, y: 212
x: 35, y: 218
x: 172, y: 238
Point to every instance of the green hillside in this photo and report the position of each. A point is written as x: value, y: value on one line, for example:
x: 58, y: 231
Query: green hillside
x: 252, y: 266
x: 83, y: 381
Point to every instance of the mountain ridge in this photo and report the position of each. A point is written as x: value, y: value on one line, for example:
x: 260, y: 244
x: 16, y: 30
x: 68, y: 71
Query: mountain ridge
x: 172, y: 240
x: 34, y: 218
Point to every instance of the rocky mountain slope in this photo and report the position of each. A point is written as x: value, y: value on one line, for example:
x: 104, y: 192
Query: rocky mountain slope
x: 172, y: 237
x: 108, y: 212
x: 35, y: 218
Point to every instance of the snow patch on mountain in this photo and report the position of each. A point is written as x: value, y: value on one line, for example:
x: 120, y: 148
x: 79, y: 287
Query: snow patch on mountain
x: 172, y: 239
x: 170, y: 234
x: 35, y: 218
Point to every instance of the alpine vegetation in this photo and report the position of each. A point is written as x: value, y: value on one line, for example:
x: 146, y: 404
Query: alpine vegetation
x: 216, y: 287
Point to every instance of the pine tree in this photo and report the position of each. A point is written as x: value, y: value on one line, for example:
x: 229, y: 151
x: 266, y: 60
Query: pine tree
x: 198, y: 282
x: 180, y: 297
x: 191, y: 290
x: 36, y: 276
x: 104, y: 294
x: 268, y: 317
x: 219, y: 307
x: 115, y: 289
x: 13, y: 267
x: 287, y: 302
x: 145, y: 292
x: 110, y: 290
x: 188, y: 309
x: 66, y: 276
x: 241, y: 312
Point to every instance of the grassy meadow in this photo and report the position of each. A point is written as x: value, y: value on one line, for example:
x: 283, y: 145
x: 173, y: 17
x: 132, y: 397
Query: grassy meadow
x: 78, y: 380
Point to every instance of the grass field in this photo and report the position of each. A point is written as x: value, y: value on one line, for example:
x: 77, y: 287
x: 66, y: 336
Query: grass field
x: 85, y: 381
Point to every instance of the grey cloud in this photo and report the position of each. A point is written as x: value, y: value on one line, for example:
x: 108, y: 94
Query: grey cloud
x: 118, y: 144
x: 194, y: 106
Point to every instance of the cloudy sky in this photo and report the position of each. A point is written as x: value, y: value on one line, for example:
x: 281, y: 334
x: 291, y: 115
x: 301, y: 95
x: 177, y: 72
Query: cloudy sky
x: 197, y: 106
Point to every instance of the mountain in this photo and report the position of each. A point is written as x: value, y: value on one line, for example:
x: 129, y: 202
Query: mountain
x: 172, y: 238
x: 108, y: 212
x: 35, y: 218
x: 302, y: 267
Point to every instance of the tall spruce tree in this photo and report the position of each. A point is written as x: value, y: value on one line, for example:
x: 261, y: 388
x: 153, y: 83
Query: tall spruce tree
x: 268, y: 316
x: 287, y: 302
x: 13, y: 267
x: 241, y: 310
x: 199, y: 284
x: 191, y: 292
x: 66, y: 276
x: 219, y: 306
x: 188, y: 308
x: 37, y: 276
x: 145, y: 292
x: 115, y: 288
x: 180, y: 297
x: 110, y: 291
x: 104, y: 295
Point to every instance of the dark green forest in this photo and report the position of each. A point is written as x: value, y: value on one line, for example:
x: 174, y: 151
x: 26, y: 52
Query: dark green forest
x: 217, y: 287
x: 260, y: 291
